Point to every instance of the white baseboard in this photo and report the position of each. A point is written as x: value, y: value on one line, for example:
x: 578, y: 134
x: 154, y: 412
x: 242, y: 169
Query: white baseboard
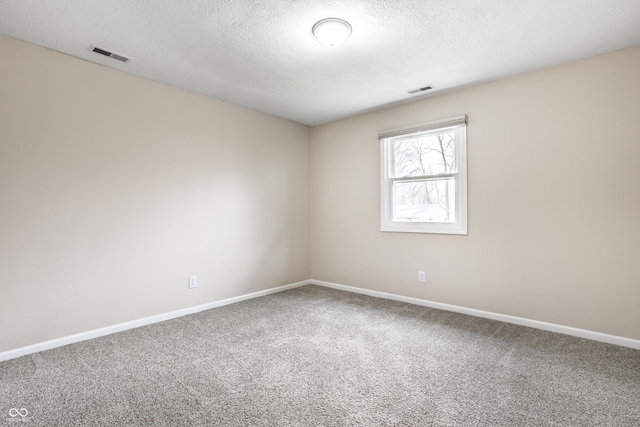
x: 567, y: 330
x: 59, y: 342
x: 552, y: 327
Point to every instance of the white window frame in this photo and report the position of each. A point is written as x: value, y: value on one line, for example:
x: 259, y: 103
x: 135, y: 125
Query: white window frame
x: 459, y: 125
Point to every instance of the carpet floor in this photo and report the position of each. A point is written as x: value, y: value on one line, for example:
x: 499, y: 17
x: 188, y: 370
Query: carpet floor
x: 313, y: 356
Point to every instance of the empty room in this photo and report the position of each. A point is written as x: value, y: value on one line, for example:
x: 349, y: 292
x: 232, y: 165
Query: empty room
x: 320, y: 213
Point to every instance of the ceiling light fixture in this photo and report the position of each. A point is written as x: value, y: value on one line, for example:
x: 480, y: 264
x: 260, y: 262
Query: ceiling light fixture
x: 331, y: 32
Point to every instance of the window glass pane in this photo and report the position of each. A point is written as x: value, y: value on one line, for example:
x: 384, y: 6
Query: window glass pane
x: 425, y: 200
x: 424, y: 155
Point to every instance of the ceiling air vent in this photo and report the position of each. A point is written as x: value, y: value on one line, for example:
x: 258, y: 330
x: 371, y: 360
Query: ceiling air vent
x: 110, y: 54
x: 422, y: 89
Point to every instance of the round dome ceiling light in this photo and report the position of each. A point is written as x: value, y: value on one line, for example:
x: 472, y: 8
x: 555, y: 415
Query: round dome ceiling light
x: 331, y: 32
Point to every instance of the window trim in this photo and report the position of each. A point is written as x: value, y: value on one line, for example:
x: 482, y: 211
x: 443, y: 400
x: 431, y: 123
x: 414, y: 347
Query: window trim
x: 459, y: 124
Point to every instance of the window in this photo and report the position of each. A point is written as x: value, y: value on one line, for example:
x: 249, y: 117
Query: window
x: 424, y: 178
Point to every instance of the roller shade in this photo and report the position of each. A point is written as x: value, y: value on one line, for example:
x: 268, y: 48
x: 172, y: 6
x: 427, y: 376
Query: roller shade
x: 424, y: 127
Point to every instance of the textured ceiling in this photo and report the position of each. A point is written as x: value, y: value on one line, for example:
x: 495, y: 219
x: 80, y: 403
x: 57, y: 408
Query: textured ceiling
x: 262, y: 55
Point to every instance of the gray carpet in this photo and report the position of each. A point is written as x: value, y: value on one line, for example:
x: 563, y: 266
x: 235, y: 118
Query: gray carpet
x: 314, y: 356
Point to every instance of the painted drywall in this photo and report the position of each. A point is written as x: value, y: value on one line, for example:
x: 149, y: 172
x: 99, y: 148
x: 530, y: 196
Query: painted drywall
x: 554, y: 200
x: 114, y: 189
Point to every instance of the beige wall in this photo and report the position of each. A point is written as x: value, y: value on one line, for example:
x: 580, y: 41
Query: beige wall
x: 114, y: 189
x: 554, y: 200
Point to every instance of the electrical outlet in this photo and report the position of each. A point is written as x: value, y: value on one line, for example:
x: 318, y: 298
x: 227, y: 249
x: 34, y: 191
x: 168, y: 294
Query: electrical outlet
x: 422, y: 277
x: 193, y: 282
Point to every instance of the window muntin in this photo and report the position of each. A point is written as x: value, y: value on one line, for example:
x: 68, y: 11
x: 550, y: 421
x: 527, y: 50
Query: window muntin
x: 424, y: 178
